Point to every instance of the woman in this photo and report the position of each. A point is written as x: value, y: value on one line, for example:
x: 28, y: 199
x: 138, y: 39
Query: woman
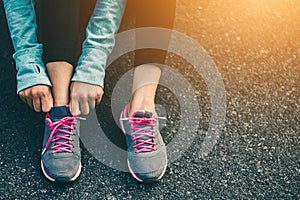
x: 65, y: 79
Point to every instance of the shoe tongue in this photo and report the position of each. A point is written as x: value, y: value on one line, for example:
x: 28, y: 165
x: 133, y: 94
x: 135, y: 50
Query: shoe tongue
x: 56, y: 114
x: 142, y: 114
x: 59, y: 112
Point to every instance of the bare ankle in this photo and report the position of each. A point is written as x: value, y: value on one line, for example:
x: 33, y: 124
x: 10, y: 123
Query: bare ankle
x: 60, y: 74
x: 135, y: 104
x: 60, y: 103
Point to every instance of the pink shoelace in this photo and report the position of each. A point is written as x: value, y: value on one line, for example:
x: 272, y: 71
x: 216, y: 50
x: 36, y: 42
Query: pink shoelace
x: 64, y: 125
x: 143, y: 145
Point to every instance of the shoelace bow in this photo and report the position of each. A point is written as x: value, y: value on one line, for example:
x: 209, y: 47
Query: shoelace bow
x: 143, y: 145
x: 64, y: 125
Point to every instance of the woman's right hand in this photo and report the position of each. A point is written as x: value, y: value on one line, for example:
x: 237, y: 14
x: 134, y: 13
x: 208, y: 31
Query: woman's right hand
x: 38, y: 97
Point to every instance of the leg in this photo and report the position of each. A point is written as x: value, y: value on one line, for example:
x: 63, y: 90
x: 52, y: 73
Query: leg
x: 149, y: 14
x: 58, y: 23
x: 144, y: 88
x: 62, y: 35
x: 61, y: 29
x: 58, y: 30
x: 147, y: 154
x: 60, y: 74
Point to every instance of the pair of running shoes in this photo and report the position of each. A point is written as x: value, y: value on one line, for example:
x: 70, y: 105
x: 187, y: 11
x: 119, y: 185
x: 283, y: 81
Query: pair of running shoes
x: 61, y: 155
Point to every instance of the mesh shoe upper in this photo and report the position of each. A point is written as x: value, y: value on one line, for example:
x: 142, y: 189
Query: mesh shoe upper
x: 61, y: 158
x: 147, y: 157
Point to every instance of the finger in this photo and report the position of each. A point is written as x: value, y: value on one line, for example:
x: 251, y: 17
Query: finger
x: 98, y: 99
x: 37, y: 104
x: 47, y: 102
x: 84, y: 107
x: 74, y: 107
x: 97, y: 102
x: 29, y: 102
x: 99, y: 96
x: 92, y: 104
x: 25, y: 99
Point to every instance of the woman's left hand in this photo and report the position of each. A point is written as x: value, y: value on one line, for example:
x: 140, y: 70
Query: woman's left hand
x: 84, y: 97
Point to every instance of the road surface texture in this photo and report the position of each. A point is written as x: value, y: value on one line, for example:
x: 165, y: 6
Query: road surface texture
x: 256, y: 47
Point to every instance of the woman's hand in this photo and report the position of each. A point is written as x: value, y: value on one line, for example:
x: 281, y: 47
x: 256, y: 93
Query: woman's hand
x: 84, y: 97
x: 38, y: 97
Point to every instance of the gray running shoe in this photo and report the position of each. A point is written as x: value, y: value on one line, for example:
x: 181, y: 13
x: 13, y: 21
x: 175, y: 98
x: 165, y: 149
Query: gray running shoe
x: 147, y: 155
x: 61, y: 157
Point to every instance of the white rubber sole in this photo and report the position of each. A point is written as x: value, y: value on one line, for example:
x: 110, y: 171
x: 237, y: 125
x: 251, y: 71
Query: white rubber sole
x: 53, y: 180
x: 139, y: 179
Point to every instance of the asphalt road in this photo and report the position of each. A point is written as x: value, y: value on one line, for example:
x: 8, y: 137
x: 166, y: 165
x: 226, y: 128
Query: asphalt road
x: 256, y: 48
